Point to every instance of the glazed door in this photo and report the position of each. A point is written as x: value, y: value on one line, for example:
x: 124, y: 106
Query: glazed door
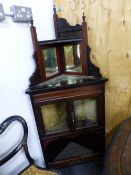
x: 54, y: 116
x: 70, y: 114
x: 87, y: 112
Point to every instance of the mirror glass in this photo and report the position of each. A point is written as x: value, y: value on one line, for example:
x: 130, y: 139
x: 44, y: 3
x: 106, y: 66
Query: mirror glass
x: 72, y: 58
x: 51, y: 66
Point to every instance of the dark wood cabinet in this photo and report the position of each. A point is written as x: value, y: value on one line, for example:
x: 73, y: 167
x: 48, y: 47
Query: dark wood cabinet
x: 70, y: 119
x: 67, y: 95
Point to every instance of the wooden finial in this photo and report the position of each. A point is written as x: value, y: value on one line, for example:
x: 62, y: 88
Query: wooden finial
x: 31, y: 21
x: 54, y: 9
x: 83, y: 17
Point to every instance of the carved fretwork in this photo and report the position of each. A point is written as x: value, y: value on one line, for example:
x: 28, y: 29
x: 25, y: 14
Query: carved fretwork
x: 35, y: 78
x: 93, y: 70
x: 65, y: 30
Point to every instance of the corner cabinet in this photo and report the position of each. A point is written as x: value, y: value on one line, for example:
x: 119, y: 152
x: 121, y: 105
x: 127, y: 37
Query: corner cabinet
x: 69, y: 113
x: 67, y: 94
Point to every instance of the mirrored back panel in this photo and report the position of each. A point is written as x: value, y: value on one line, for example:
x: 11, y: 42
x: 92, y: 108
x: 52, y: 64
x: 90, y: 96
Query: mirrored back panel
x: 72, y: 58
x: 50, y: 60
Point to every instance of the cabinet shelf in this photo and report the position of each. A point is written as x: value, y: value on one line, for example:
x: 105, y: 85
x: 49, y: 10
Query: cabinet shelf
x: 68, y: 133
x: 68, y: 151
x: 76, y: 160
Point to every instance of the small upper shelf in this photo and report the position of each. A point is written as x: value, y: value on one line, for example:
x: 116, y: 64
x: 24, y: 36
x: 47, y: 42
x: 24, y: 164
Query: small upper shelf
x: 67, y: 41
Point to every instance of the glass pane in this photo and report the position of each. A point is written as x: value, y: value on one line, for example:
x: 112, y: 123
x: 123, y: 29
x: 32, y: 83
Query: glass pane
x: 86, y: 110
x: 51, y: 66
x: 54, y: 117
x: 72, y: 58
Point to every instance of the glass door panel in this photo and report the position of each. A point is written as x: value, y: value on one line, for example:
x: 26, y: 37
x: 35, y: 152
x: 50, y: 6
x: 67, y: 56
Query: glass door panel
x: 54, y: 117
x: 51, y: 66
x: 85, y: 111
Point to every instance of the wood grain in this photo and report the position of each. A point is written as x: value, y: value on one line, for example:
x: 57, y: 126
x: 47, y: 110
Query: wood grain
x: 109, y: 31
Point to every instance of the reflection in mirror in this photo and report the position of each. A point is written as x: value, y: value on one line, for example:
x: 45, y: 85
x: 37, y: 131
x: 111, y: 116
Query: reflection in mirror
x: 50, y: 57
x: 72, y: 58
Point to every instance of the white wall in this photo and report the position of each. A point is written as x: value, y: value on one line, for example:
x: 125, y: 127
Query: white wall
x: 16, y: 66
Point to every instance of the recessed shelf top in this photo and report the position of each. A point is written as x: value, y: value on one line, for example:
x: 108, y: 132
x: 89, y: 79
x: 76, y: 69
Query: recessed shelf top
x: 65, y: 82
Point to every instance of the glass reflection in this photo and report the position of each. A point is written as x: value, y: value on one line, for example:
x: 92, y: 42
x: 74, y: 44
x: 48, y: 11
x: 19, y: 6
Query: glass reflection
x: 72, y: 58
x: 86, y: 110
x: 51, y: 66
x: 54, y: 117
